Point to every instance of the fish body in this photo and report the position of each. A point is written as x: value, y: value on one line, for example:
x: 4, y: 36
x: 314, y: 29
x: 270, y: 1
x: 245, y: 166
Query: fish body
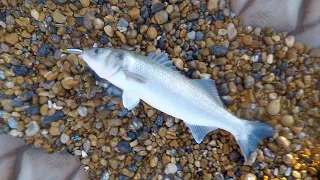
x: 155, y: 80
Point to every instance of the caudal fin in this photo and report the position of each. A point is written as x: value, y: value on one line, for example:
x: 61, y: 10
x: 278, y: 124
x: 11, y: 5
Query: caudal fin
x: 251, y: 134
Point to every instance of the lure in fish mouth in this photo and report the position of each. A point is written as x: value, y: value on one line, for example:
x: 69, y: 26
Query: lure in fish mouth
x: 155, y: 80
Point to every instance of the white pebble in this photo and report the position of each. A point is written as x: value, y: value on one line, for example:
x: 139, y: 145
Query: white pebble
x: 288, y: 171
x: 171, y: 168
x: 32, y: 128
x: 289, y: 40
x: 82, y: 111
x: 270, y: 58
x: 64, y: 138
x: 35, y: 14
x: 84, y: 154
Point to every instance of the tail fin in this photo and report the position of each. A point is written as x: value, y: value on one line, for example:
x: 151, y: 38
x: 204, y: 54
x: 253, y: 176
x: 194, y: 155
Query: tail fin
x: 252, y: 133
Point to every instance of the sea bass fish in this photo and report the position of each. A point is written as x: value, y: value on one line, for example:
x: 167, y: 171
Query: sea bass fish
x: 155, y: 80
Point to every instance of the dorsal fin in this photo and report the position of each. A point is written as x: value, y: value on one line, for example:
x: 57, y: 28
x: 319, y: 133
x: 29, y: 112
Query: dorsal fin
x: 163, y: 59
x: 210, y: 86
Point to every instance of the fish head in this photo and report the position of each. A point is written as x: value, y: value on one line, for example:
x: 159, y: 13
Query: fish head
x: 104, y: 61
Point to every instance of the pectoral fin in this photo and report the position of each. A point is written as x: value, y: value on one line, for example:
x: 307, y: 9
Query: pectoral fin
x: 135, y: 77
x: 199, y: 132
x: 129, y: 100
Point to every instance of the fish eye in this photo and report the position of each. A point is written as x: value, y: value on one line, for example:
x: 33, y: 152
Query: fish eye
x: 96, y: 51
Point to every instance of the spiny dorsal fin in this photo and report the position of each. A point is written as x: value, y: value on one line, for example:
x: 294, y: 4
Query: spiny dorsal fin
x: 162, y: 58
x: 210, y: 86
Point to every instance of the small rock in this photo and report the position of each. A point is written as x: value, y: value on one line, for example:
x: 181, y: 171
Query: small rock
x: 130, y: 3
x: 218, y: 50
x: 12, y: 123
x: 114, y: 131
x: 199, y: 35
x: 250, y: 176
x: 85, y: 3
x: 134, y: 13
x: 88, y: 19
x: 170, y: 121
x: 54, y: 131
x: 288, y: 158
x: 124, y: 146
x: 192, y: 16
x: 152, y: 33
x: 178, y: 63
x: 252, y: 158
x: 82, y: 111
x: 212, y: 4
x: 109, y: 31
x: 55, y: 38
x: 135, y: 124
x: 191, y: 35
x: 4, y: 47
x: 114, y: 122
x: 32, y: 128
x: 44, y: 50
x: 86, y: 145
x: 114, y: 163
x: 161, y: 17
x: 64, y: 138
x: 20, y: 70
x: 287, y: 120
x: 247, y: 40
x: 142, y: 135
x: 157, y: 7
x: 122, y: 25
x: 232, y: 32
x: 274, y: 107
x: 151, y: 112
x: 218, y: 176
x: 98, y: 24
x: 154, y: 162
x: 35, y: 14
x: 234, y: 156
x: 296, y: 174
x: 53, y: 118
x: 283, y: 142
x: 289, y: 40
x: 171, y: 168
x: 126, y: 172
x: 32, y: 110
x: 12, y: 38
x: 270, y: 58
x: 248, y: 82
x: 58, y: 17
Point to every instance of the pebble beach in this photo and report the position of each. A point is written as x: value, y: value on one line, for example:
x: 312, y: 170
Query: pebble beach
x: 54, y: 101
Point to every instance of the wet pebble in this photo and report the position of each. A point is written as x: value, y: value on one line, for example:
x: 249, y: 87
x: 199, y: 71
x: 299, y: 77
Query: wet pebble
x: 32, y: 129
x: 82, y: 111
x: 171, y: 168
x: 124, y: 146
x: 32, y: 110
x: 274, y: 107
x: 218, y: 50
x: 44, y: 50
x: 64, y: 138
x: 161, y: 17
x: 12, y: 123
x: 53, y: 118
x: 20, y: 70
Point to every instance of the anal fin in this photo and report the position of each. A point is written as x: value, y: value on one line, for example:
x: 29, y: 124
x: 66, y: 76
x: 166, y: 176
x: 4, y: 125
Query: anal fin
x: 199, y: 132
x: 129, y: 100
